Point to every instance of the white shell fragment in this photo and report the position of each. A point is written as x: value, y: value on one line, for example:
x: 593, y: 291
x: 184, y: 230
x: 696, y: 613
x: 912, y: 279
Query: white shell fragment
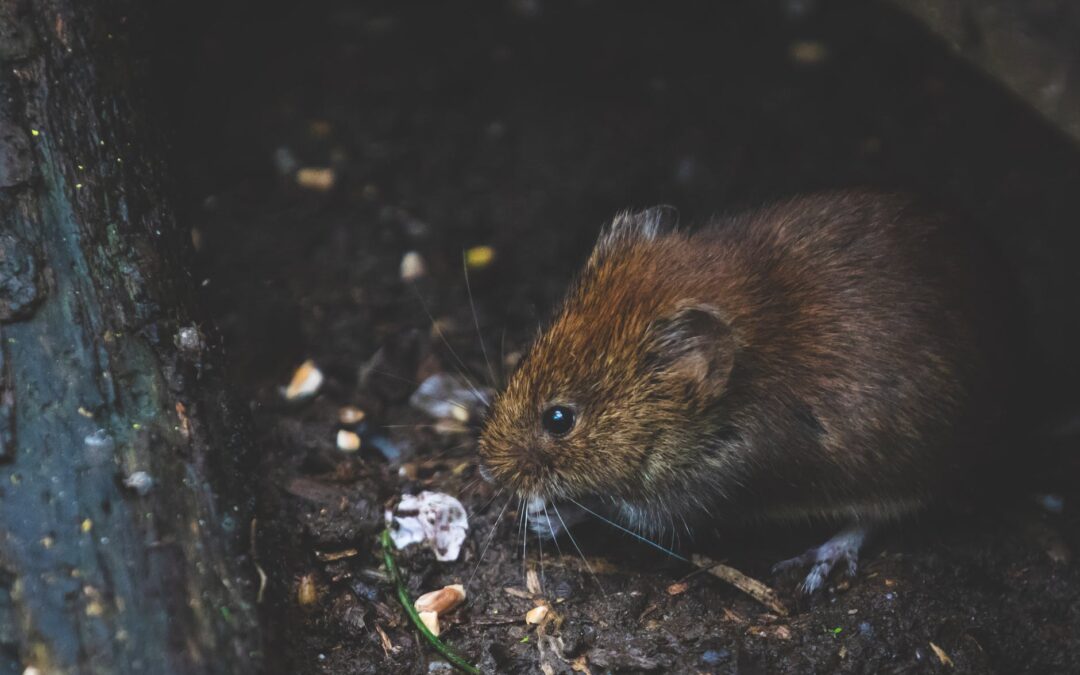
x: 434, y: 519
x: 348, y: 441
x: 448, y: 397
x: 442, y: 600
x: 305, y: 381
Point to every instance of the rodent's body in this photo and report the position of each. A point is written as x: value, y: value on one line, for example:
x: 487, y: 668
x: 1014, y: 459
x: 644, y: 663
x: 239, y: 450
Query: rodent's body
x: 828, y: 357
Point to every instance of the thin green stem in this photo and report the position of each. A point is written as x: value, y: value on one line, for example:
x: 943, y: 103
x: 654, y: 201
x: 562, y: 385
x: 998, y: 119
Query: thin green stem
x: 452, y: 656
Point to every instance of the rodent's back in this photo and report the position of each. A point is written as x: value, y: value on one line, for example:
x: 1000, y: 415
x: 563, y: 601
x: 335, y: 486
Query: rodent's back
x: 874, y: 321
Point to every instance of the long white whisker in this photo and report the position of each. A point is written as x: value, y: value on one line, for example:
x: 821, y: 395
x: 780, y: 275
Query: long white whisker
x: 552, y: 530
x: 578, y: 548
x: 633, y: 534
x: 476, y: 319
x: 447, y: 401
x: 493, y: 498
x: 439, y: 332
x: 540, y: 550
x: 491, y: 536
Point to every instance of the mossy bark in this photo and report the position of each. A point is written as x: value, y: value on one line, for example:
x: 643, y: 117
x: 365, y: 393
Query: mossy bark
x: 121, y: 515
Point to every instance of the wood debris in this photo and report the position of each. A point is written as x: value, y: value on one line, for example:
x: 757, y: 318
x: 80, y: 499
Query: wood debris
x: 942, y: 656
x: 752, y: 587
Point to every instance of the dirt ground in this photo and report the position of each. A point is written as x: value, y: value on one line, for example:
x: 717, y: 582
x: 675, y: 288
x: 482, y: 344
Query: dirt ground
x: 522, y: 125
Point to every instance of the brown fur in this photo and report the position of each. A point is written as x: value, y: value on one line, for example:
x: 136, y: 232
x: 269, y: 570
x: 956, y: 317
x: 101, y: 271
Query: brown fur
x: 827, y: 356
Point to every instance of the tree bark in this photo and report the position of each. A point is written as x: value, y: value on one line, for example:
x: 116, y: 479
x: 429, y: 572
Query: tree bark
x: 1030, y: 47
x: 122, y: 508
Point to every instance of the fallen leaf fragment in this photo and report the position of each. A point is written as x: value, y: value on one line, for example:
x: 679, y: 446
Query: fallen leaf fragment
x: 442, y: 600
x: 536, y: 615
x: 748, y: 585
x: 305, y: 381
x: 942, y: 656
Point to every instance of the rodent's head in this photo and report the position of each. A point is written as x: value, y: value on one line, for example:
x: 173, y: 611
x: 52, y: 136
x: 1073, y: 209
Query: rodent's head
x: 611, y: 400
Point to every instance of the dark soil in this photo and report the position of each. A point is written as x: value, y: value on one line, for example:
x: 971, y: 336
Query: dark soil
x: 524, y: 125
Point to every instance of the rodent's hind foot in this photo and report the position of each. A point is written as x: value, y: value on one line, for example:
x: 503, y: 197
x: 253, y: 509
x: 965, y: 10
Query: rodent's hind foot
x: 842, y: 548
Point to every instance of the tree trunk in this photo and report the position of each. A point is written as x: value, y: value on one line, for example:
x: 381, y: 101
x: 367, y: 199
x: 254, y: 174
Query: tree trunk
x: 122, y: 517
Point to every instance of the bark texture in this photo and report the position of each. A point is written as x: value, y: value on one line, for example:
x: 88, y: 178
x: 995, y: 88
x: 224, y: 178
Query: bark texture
x: 1030, y: 47
x: 121, y: 515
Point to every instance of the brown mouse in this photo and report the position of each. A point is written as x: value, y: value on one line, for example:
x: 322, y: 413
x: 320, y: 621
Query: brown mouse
x: 835, y: 357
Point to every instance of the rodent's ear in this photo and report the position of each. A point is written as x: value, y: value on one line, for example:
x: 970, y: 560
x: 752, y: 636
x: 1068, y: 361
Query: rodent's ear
x: 693, y: 344
x: 630, y: 226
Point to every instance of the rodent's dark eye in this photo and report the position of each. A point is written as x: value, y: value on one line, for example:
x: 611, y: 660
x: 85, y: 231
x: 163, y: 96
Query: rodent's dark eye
x: 558, y: 420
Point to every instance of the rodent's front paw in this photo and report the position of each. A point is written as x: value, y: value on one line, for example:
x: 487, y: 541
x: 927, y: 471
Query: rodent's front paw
x: 821, y: 560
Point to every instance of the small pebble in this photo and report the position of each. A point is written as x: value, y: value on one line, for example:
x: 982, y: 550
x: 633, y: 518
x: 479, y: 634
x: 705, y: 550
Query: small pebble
x: 348, y: 441
x: 351, y: 415
x: 479, y: 257
x: 189, y: 339
x: 715, y: 656
x: 320, y: 179
x: 412, y: 266
x: 285, y: 161
x: 140, y: 481
x: 1052, y: 503
x: 807, y: 52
